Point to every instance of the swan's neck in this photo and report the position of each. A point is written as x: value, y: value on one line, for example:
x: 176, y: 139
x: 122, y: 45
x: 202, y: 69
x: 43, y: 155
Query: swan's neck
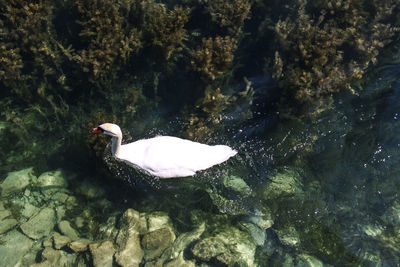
x: 116, y: 145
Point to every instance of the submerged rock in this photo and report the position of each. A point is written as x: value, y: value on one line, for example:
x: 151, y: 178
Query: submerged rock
x: 179, y: 262
x: 155, y: 242
x: 288, y: 236
x: 286, y: 184
x: 60, y: 212
x: 213, y: 247
x: 108, y: 230
x: 71, y: 202
x: 79, y: 222
x: 129, y: 252
x: 262, y: 221
x: 256, y: 226
x: 185, y: 239
x: 13, y: 247
x: 40, y: 225
x: 158, y: 220
x: 52, y: 179
x: 230, y: 246
x: 31, y: 256
x: 79, y: 245
x: 173, y: 255
x: 17, y: 181
x: 47, y: 242
x: 90, y: 190
x: 66, y: 229
x: 237, y: 184
x: 225, y: 205
x: 304, y: 260
x: 258, y: 234
x: 102, y: 253
x: 7, y: 222
x: 60, y: 241
x: 29, y: 210
x: 287, y: 260
x: 51, y: 257
x: 60, y: 197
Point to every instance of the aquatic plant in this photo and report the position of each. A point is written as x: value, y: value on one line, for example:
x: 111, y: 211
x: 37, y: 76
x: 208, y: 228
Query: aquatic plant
x: 10, y: 65
x: 323, y: 47
x: 214, y: 56
x: 229, y: 15
x: 163, y: 29
x: 28, y: 50
x: 206, y: 116
x: 111, y: 40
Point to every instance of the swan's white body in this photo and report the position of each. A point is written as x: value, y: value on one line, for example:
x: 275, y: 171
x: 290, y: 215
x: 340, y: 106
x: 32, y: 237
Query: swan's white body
x: 166, y: 156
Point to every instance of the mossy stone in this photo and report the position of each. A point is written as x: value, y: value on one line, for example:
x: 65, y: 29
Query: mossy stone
x: 154, y: 243
x: 102, y: 253
x: 238, y: 184
x: 40, y: 225
x: 286, y: 184
x: 16, y: 181
x: 66, y: 229
x: 52, y: 179
x: 13, y: 247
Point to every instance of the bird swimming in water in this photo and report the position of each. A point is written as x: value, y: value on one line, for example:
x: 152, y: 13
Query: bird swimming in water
x: 165, y: 156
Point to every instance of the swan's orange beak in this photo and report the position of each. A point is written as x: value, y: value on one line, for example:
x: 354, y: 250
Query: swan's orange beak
x: 97, y: 130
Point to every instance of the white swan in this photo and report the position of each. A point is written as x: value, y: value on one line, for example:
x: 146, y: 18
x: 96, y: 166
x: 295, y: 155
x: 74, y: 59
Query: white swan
x: 165, y: 156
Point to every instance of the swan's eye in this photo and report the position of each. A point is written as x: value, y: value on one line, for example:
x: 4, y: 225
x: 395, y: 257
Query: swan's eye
x: 100, y: 129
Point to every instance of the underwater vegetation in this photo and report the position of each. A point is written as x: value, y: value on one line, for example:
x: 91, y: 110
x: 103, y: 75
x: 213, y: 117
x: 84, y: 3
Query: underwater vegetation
x: 69, y: 60
x: 108, y: 39
x: 325, y: 47
x: 214, y: 57
x: 229, y: 15
x: 30, y: 58
x: 163, y: 29
x: 54, y: 52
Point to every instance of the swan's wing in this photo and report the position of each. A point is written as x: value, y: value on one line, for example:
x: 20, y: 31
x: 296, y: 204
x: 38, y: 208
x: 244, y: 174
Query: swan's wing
x: 167, y: 156
x: 168, y: 153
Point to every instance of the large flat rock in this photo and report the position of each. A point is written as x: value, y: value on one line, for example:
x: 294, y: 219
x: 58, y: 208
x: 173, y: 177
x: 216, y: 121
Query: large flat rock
x: 40, y: 225
x: 13, y: 247
x: 16, y: 181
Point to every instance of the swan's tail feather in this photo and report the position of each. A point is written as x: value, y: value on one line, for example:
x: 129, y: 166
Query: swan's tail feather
x: 223, y: 153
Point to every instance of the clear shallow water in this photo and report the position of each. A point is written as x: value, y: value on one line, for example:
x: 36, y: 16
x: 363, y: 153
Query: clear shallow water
x: 342, y: 202
x: 346, y: 211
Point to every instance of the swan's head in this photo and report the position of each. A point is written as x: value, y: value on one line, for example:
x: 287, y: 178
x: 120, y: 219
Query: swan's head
x: 109, y: 129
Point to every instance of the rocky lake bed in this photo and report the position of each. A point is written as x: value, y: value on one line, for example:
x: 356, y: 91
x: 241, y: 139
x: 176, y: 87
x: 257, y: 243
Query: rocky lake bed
x: 44, y: 223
